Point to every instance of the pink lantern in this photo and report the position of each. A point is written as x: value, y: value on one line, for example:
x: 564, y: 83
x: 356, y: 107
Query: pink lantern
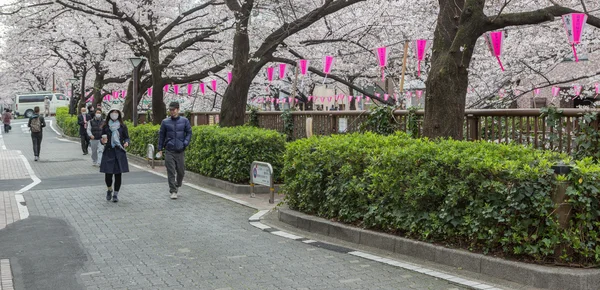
x: 419, y: 94
x: 574, y: 24
x: 597, y: 89
x: 166, y: 88
x: 494, y: 41
x: 303, y: 63
x: 329, y: 99
x: 386, y: 97
x: 368, y: 99
x: 408, y: 94
x: 577, y: 89
x: 322, y: 100
x: 176, y: 89
x: 282, y: 68
x: 124, y: 94
x: 555, y: 91
x: 229, y: 77
x: 536, y: 91
x: 190, y: 88
x: 202, y: 88
x: 382, y: 56
x: 327, y: 64
x: 115, y: 95
x: 149, y: 92
x: 291, y: 100
x: 358, y: 98
x: 420, y: 47
x: 270, y: 71
x: 213, y: 83
x: 350, y: 98
x: 310, y: 98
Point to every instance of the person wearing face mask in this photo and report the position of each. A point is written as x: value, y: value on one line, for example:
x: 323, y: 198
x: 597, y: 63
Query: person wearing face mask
x: 94, y: 131
x: 115, y: 138
x: 174, y: 136
x: 82, y: 120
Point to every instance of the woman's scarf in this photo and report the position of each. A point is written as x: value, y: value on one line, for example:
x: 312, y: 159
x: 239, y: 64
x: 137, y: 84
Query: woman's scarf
x: 116, y: 137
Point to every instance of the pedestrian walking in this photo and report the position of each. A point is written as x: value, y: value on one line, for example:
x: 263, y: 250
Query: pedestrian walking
x: 82, y: 120
x: 115, y: 138
x: 36, y: 124
x: 6, y: 116
x: 94, y: 132
x: 175, y: 135
x: 46, y: 107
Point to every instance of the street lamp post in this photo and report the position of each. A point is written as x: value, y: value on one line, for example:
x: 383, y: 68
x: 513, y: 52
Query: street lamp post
x: 136, y: 62
x: 72, y: 101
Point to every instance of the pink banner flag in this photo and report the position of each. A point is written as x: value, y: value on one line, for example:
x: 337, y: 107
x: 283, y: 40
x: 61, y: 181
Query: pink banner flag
x: 419, y: 94
x: 494, y: 41
x: 310, y: 98
x: 282, y: 68
x: 322, y: 100
x: 574, y: 24
x: 329, y: 99
x: 202, y: 88
x: 149, y: 92
x: 303, y: 63
x: 382, y: 56
x: 358, y: 98
x: 190, y: 89
x: 213, y: 83
x: 420, y: 52
x: 176, y: 89
x: 327, y: 64
x: 229, y: 77
x: 166, y: 88
x: 555, y: 91
x: 350, y: 98
x: 536, y: 91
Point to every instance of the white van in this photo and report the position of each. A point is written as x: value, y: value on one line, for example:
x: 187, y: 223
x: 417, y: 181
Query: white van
x: 24, y: 103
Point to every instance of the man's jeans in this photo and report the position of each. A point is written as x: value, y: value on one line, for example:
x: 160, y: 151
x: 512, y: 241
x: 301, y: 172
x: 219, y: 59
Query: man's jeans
x: 175, y: 163
x: 97, y: 150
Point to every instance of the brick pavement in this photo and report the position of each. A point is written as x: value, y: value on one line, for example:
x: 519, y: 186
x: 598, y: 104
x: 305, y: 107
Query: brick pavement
x: 147, y: 241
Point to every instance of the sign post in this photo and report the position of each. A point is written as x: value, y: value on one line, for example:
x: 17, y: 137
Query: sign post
x: 150, y: 150
x: 262, y: 173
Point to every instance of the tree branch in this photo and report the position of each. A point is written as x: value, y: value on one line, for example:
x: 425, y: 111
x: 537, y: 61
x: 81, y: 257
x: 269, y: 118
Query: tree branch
x: 534, y: 17
x: 183, y: 15
x: 198, y: 76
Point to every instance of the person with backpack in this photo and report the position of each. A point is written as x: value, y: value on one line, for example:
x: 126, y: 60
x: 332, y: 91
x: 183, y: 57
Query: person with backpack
x: 36, y: 123
x: 94, y: 131
x: 6, y: 116
x: 115, y: 138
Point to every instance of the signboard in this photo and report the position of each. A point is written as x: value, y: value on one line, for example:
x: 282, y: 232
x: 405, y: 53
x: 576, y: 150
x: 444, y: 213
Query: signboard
x: 261, y: 173
x: 342, y: 125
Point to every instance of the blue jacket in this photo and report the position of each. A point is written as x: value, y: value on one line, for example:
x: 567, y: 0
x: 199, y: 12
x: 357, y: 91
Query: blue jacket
x: 175, y: 134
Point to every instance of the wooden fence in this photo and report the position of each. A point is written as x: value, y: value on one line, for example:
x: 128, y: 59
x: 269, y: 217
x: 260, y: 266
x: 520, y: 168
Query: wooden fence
x: 521, y: 126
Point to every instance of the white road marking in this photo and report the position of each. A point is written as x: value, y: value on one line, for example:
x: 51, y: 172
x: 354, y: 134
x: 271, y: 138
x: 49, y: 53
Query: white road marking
x: 53, y: 129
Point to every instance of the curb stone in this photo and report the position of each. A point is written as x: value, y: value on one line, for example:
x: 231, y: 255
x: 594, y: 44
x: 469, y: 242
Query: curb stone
x: 538, y: 276
x: 255, y: 221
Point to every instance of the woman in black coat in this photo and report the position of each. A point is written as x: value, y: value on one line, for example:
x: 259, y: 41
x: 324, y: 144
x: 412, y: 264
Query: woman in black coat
x: 114, y: 159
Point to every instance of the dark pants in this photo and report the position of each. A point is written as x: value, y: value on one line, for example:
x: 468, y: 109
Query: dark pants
x: 85, y: 143
x: 175, y: 163
x: 6, y: 128
x: 108, y: 180
x: 37, y: 143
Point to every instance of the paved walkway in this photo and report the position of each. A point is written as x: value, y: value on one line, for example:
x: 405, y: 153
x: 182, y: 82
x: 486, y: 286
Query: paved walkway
x: 74, y: 239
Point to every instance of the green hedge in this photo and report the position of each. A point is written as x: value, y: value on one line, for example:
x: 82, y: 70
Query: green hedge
x: 227, y: 153
x: 140, y: 136
x: 476, y: 195
x: 67, y: 122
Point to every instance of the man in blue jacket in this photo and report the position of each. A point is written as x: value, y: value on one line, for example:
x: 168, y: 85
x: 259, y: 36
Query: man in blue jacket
x: 175, y: 134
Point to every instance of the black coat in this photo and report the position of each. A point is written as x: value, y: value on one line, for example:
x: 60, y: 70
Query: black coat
x: 82, y: 128
x: 114, y: 160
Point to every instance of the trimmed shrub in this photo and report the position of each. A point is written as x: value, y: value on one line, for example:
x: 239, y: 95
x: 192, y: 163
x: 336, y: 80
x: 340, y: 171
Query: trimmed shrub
x: 67, y: 122
x: 475, y: 195
x: 141, y: 136
x: 227, y: 153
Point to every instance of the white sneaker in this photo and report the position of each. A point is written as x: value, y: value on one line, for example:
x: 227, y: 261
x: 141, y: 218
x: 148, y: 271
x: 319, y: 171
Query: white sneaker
x: 173, y: 195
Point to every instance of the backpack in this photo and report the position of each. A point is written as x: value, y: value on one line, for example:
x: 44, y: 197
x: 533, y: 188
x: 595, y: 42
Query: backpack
x: 36, y: 125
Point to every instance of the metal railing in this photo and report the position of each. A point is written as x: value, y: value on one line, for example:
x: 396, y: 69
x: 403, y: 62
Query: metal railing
x: 520, y: 126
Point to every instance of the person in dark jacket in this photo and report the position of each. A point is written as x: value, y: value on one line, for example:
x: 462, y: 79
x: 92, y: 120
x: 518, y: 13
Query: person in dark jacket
x: 175, y: 135
x: 36, y: 124
x: 6, y: 120
x: 115, y: 138
x: 82, y: 120
x: 94, y: 132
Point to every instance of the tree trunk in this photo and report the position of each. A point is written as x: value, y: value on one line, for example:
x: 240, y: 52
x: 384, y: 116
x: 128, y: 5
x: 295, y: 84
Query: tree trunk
x: 159, y: 109
x: 98, y: 85
x: 82, y: 95
x: 127, y: 108
x: 447, y: 83
x: 233, y: 108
